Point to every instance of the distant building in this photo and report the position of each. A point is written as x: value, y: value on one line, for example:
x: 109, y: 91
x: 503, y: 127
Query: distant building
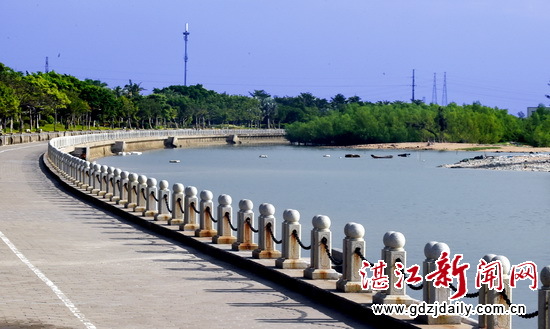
x: 530, y: 110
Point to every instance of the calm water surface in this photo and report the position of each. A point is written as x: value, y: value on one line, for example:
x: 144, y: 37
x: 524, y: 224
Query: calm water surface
x: 474, y: 211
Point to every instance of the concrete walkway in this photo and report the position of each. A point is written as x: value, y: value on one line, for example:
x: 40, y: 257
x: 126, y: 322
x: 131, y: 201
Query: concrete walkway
x: 65, y: 264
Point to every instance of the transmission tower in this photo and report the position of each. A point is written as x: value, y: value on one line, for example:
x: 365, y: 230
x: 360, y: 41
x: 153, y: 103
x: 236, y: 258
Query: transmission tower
x: 185, y: 58
x: 444, y: 96
x: 46, y: 66
x: 434, y: 91
x: 413, y: 85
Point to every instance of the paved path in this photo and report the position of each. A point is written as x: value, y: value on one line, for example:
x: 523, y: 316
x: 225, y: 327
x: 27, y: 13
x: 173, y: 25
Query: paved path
x: 65, y: 264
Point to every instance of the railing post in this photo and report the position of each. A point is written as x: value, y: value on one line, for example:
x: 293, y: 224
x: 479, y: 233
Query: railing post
x: 133, y: 191
x: 482, y: 298
x: 266, y: 244
x: 352, y: 262
x: 141, y: 194
x: 291, y: 250
x: 109, y: 183
x: 501, y: 321
x: 163, y: 196
x: 103, y: 181
x: 205, y: 217
x: 245, y: 237
x: 96, y: 179
x: 431, y: 294
x: 544, y: 299
x: 320, y: 266
x: 151, y: 206
x: 116, y: 185
x: 123, y: 188
x: 86, y: 175
x: 225, y: 214
x: 392, y: 253
x: 177, y: 205
x: 190, y: 216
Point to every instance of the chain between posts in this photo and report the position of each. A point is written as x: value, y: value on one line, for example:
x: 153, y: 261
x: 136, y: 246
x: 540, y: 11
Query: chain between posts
x: 233, y: 228
x: 324, y: 243
x: 111, y: 182
x: 154, y: 196
x: 247, y: 222
x: 295, y: 235
x: 180, y: 205
x: 134, y: 188
x: 167, y: 205
x: 470, y: 295
x: 126, y: 187
x: 207, y: 210
x: 524, y: 316
x: 143, y: 194
x: 268, y: 228
x: 194, y: 209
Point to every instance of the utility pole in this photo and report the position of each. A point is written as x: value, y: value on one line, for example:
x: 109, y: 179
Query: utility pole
x: 413, y: 85
x: 185, y: 58
x: 434, y: 91
x: 444, y: 97
x: 46, y: 67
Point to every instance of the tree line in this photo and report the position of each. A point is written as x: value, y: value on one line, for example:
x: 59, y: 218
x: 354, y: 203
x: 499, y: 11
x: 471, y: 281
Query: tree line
x: 33, y: 100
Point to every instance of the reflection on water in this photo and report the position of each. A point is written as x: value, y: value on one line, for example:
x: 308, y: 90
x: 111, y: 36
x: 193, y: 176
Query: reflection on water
x: 474, y: 211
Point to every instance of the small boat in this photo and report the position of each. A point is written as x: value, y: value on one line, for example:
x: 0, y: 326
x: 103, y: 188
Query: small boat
x: 174, y: 161
x: 263, y: 156
x: 134, y: 153
x: 352, y: 155
x: 403, y: 155
x: 326, y: 156
x: 381, y: 156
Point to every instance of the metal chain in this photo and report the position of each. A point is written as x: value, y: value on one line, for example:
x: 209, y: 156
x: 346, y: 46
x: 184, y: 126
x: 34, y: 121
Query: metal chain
x: 180, y: 205
x: 419, y: 287
x: 194, y: 209
x: 324, y: 242
x: 126, y: 187
x: 154, y: 196
x: 143, y: 194
x: 207, y: 210
x: 167, y: 205
x: 360, y: 254
x: 268, y: 228
x: 295, y: 235
x: 470, y: 295
x: 134, y: 188
x: 247, y: 221
x: 508, y: 302
x: 233, y: 228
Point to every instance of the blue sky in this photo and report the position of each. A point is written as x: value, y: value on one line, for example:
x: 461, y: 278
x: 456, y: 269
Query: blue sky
x: 495, y: 52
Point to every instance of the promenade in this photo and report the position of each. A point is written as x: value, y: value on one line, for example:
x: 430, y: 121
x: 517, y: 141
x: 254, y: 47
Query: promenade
x: 66, y: 264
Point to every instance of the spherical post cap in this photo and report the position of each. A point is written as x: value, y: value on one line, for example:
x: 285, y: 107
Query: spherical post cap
x: 163, y: 184
x: 206, y: 195
x: 505, y: 263
x: 178, y: 188
x: 225, y: 199
x: 395, y: 240
x: 142, y: 179
x: 354, y: 230
x: 110, y: 170
x: 545, y: 276
x: 267, y: 209
x: 437, y: 249
x: 428, y: 248
x: 124, y: 174
x: 321, y: 222
x: 245, y: 205
x: 151, y: 182
x: 489, y: 257
x: 190, y: 191
x: 291, y: 215
x: 104, y: 168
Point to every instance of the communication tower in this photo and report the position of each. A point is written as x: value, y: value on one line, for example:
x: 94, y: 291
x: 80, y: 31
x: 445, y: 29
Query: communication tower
x: 46, y: 66
x: 185, y: 58
x: 444, y: 96
x: 434, y: 91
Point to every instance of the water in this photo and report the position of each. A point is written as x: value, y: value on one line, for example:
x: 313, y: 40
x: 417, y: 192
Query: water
x: 474, y: 211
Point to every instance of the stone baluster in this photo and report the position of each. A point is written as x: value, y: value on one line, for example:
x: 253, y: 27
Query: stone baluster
x: 245, y: 235
x: 393, y: 252
x: 431, y: 294
x: 133, y: 191
x: 103, y: 181
x: 80, y: 172
x: 110, y: 183
x: 164, y: 201
x: 123, y: 187
x: 86, y: 175
x: 177, y: 205
x: 141, y: 194
x: 482, y: 298
x: 291, y: 249
x: 205, y: 217
x: 96, y: 179
x: 190, y: 216
x: 352, y: 262
x: 500, y: 321
x: 266, y: 244
x: 544, y: 299
x: 151, y: 206
x: 225, y: 213
x: 116, y: 185
x: 320, y: 266
x: 91, y: 177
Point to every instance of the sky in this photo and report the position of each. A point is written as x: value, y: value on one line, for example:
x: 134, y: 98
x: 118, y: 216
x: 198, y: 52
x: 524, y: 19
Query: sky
x: 496, y: 52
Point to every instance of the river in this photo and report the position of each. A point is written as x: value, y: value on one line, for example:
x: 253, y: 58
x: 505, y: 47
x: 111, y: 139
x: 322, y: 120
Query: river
x: 474, y: 211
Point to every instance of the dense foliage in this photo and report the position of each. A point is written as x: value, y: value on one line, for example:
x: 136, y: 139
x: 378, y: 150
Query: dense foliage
x: 29, y: 101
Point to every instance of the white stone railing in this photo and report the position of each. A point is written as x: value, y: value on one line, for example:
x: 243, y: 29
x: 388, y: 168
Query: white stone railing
x: 195, y: 213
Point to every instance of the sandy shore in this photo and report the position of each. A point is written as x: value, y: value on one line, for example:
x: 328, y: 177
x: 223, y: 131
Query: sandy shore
x: 453, y: 147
